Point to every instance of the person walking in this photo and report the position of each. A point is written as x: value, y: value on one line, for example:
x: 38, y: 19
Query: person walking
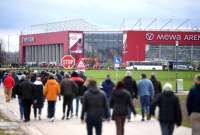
x: 27, y: 94
x: 84, y: 88
x: 51, y: 91
x: 95, y: 108
x: 145, y: 93
x: 130, y: 85
x: 108, y: 86
x: 169, y: 110
x: 16, y: 91
x: 79, y: 81
x: 68, y: 90
x: 157, y: 86
x: 120, y: 102
x: 8, y: 83
x: 193, y: 106
x: 39, y: 98
x: 1, y: 76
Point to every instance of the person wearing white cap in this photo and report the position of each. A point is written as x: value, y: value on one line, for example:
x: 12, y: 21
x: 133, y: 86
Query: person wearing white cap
x: 169, y: 110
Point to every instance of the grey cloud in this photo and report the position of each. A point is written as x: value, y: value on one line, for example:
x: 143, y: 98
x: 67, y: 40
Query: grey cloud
x: 19, y: 14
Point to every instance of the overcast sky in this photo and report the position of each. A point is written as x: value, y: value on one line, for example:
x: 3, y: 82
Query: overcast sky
x: 15, y: 15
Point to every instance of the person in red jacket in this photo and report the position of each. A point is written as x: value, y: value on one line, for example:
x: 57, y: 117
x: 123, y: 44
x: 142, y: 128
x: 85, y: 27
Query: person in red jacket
x: 8, y: 83
x: 79, y: 81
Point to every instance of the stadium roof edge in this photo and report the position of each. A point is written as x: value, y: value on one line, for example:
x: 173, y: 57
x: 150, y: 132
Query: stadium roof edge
x: 140, y: 25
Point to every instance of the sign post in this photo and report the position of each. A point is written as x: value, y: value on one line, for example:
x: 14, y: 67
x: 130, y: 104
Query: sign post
x: 68, y: 61
x: 117, y: 61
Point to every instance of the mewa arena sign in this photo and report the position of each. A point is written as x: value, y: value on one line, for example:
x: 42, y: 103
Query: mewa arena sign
x: 165, y: 36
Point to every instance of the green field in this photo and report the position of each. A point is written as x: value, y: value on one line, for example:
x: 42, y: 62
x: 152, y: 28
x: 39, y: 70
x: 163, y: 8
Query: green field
x: 163, y: 76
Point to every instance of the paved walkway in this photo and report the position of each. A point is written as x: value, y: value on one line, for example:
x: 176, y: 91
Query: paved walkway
x: 74, y: 125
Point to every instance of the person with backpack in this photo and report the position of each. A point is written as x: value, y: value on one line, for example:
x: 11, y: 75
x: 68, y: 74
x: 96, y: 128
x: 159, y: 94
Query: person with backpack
x: 8, y: 83
x: 169, y: 110
x: 69, y: 89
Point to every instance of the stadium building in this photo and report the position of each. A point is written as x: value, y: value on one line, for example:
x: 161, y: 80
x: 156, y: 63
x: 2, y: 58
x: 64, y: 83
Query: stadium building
x: 47, y: 43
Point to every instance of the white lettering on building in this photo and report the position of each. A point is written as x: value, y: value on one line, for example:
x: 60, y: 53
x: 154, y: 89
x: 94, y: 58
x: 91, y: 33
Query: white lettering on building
x: 168, y: 37
x: 174, y: 37
x: 192, y: 37
x: 28, y: 39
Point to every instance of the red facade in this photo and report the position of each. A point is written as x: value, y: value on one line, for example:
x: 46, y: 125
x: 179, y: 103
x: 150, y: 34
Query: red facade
x: 134, y: 44
x: 43, y: 39
x: 62, y: 37
x: 137, y: 40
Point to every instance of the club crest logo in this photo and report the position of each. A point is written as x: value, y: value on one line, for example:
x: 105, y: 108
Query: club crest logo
x: 149, y: 36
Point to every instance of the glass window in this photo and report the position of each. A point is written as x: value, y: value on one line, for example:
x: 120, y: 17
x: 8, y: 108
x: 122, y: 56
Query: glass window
x: 104, y: 45
x: 170, y: 52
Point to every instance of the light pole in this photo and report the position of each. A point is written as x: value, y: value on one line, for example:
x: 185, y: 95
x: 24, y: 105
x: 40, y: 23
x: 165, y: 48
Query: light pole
x: 177, y: 43
x: 8, y: 52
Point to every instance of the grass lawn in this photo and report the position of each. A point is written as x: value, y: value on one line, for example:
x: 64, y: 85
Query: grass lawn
x: 163, y: 76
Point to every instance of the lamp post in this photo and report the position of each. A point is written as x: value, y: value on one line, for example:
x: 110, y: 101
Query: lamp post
x: 177, y: 43
x: 8, y: 52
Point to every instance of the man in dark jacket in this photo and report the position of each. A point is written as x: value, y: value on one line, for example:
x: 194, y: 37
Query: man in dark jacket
x: 131, y: 86
x: 157, y: 86
x: 39, y: 98
x: 16, y: 79
x: 169, y: 110
x: 69, y: 90
x: 27, y: 93
x: 59, y: 77
x: 120, y: 102
x: 193, y: 106
x: 108, y: 86
x: 95, y: 107
x: 16, y: 91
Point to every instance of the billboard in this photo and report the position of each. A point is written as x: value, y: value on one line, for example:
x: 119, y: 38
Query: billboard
x: 76, y: 45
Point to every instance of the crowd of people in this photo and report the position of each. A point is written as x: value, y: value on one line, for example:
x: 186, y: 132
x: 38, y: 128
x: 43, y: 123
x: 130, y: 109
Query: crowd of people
x: 109, y: 101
